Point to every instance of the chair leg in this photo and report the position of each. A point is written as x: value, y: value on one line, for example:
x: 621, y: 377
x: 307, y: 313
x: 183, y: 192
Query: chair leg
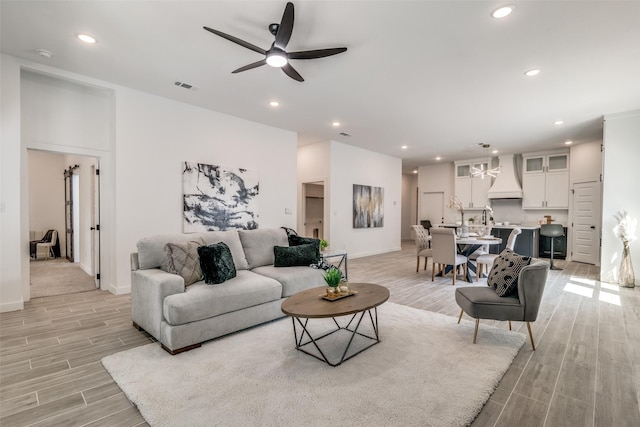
x: 478, y: 272
x: 510, y: 325
x: 417, y: 263
x: 455, y: 272
x: 433, y: 270
x: 531, y: 336
x: 426, y: 260
x: 460, y: 317
x: 475, y: 333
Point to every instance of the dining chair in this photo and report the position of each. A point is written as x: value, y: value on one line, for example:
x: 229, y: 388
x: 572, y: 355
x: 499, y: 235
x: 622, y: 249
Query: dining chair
x: 423, y: 249
x: 445, y: 252
x: 487, y: 259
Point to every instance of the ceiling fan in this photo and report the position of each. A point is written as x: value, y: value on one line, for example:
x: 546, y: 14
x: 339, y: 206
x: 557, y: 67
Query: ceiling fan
x: 277, y: 56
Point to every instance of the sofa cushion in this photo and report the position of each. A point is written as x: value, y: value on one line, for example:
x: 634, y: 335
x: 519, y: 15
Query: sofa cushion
x: 183, y: 260
x: 293, y: 279
x: 202, y: 301
x: 232, y: 239
x: 505, y: 271
x: 216, y: 263
x: 290, y: 256
x: 258, y: 245
x: 151, y: 253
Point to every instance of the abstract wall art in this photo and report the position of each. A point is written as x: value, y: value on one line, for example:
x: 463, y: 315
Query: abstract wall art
x: 368, y: 206
x: 218, y: 198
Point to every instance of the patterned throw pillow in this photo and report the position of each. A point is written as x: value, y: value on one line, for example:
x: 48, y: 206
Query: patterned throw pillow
x: 505, y: 271
x: 183, y: 260
x: 301, y: 255
x: 216, y: 262
x: 295, y: 240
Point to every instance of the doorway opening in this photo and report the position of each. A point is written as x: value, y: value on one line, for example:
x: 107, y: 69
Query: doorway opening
x: 313, y: 209
x: 64, y: 197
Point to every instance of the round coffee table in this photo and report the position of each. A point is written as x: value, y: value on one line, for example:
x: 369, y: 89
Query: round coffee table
x: 309, y: 304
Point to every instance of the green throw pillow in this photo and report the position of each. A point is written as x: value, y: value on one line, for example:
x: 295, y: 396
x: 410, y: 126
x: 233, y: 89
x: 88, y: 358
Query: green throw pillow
x: 505, y: 271
x: 301, y: 255
x: 216, y: 263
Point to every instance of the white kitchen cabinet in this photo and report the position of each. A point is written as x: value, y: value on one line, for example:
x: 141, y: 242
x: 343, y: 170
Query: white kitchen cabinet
x: 545, y: 180
x: 472, y: 191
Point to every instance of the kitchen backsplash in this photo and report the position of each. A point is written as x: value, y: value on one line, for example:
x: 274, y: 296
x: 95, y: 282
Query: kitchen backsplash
x: 511, y: 210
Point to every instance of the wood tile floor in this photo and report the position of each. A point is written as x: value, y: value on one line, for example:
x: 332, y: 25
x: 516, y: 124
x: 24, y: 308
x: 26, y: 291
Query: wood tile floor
x: 584, y: 372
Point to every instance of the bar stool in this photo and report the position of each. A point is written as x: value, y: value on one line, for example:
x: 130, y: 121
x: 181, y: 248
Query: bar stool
x: 552, y: 231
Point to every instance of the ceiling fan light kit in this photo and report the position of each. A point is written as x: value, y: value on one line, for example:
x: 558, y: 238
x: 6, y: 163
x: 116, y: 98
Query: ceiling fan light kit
x: 277, y: 56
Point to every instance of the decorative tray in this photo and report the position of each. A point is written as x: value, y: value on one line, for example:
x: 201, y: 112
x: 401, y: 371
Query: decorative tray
x: 338, y: 296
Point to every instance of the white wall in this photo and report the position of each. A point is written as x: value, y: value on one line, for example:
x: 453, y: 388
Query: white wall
x: 409, y: 205
x: 314, y: 162
x: 351, y: 165
x: 437, y: 178
x: 620, y: 188
x: 140, y: 146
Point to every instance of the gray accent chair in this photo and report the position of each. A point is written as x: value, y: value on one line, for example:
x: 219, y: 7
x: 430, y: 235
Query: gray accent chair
x: 481, y: 302
x: 423, y: 246
x: 445, y: 252
x: 487, y: 259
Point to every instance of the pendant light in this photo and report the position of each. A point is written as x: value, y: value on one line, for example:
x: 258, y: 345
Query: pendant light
x: 481, y: 172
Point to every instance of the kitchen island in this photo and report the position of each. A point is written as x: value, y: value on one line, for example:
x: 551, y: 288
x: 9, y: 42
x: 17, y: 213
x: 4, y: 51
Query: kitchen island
x: 526, y: 243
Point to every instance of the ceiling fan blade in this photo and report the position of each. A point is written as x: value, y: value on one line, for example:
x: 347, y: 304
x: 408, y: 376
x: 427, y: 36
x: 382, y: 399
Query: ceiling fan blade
x: 237, y: 41
x: 291, y: 72
x: 286, y: 27
x: 250, y: 66
x: 313, y: 54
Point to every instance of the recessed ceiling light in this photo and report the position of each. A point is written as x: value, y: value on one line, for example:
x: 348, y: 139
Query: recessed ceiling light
x: 532, y: 73
x: 494, y: 152
x: 438, y: 158
x: 404, y: 147
x: 415, y: 171
x: 87, y: 38
x: 335, y: 124
x: 503, y: 11
x: 274, y: 103
x: 558, y: 122
x: 568, y: 142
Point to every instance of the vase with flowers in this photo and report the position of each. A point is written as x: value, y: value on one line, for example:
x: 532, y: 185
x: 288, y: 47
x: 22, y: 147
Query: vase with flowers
x: 625, y: 229
x: 455, y: 203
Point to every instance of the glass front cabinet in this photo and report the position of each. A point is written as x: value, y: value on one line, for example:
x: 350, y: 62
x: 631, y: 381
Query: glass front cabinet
x: 545, y: 180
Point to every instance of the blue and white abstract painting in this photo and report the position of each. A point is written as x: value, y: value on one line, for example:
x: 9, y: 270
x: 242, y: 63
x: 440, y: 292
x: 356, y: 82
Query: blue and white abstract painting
x: 219, y: 198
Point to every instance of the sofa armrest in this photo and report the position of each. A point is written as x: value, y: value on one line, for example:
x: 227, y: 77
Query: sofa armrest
x: 149, y: 288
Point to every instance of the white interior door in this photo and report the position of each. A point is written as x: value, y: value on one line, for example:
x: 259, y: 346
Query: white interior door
x: 586, y: 223
x: 432, y: 207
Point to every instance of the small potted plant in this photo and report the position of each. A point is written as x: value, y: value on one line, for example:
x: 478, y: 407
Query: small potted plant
x: 333, y: 277
x: 323, y: 244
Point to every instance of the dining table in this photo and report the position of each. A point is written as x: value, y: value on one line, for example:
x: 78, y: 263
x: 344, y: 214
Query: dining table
x: 468, y: 245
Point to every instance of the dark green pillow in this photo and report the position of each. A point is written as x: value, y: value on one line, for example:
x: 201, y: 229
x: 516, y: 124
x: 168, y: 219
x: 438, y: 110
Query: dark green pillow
x: 216, y: 263
x: 301, y: 255
x: 295, y: 240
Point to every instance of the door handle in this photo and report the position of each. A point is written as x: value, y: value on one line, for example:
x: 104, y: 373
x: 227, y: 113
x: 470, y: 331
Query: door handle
x: 593, y: 227
x: 92, y: 228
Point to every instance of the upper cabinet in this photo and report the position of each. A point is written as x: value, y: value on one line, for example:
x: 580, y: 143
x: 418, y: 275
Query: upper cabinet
x: 545, y: 180
x: 472, y: 191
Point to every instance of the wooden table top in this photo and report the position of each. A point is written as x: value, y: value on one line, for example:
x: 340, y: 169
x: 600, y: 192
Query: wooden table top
x: 309, y: 303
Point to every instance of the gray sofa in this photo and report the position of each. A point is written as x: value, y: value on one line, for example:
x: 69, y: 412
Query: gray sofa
x: 181, y: 319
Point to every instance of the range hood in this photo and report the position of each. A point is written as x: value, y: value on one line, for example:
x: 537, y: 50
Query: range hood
x: 506, y: 184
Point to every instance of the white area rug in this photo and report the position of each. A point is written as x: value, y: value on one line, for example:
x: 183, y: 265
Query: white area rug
x: 424, y: 372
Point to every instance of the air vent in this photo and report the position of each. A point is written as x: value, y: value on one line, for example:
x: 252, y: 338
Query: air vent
x: 344, y: 134
x: 186, y: 85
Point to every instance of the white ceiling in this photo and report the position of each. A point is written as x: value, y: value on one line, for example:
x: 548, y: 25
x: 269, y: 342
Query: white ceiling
x: 438, y: 76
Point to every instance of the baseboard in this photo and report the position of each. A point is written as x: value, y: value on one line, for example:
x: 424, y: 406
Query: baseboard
x: 86, y: 269
x: 116, y: 290
x: 11, y: 306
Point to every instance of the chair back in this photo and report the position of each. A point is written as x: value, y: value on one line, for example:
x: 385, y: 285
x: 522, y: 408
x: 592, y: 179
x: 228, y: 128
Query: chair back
x: 443, y: 244
x: 54, y: 238
x: 511, y: 240
x: 531, y: 282
x: 552, y: 230
x: 421, y: 237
